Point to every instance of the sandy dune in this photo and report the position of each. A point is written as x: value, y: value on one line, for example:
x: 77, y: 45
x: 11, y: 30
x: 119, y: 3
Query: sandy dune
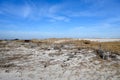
x: 31, y: 61
x: 102, y: 40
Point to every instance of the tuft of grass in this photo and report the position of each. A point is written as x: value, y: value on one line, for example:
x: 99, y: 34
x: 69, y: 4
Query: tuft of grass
x: 111, y: 46
x: 7, y: 65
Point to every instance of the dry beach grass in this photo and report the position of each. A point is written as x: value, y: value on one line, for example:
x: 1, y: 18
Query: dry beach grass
x: 113, y: 46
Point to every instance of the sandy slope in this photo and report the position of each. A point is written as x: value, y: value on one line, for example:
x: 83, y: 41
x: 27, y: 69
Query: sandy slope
x: 48, y: 62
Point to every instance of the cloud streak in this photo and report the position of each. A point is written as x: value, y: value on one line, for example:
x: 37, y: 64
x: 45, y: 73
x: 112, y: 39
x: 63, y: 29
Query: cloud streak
x: 33, y: 12
x: 56, y: 12
x: 15, y: 10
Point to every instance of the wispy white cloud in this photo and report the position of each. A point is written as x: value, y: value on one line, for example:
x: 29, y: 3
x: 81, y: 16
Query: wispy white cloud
x: 26, y: 11
x: 34, y: 12
x: 54, y: 9
x: 54, y: 18
x: 53, y: 13
x: 15, y: 10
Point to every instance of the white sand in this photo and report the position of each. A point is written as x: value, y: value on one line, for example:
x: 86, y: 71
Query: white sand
x: 65, y: 64
x: 102, y: 40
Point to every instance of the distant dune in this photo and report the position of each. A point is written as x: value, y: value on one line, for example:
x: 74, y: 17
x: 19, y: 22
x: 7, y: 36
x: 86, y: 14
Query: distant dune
x: 102, y: 39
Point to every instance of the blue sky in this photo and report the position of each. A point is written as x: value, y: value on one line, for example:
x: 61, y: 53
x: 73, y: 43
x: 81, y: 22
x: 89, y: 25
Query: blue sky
x: 26, y: 19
